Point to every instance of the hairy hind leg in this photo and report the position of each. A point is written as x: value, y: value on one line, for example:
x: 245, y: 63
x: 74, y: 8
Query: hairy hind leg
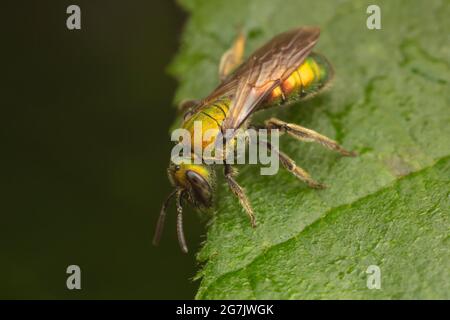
x: 239, y: 193
x: 307, y: 135
x: 232, y: 57
x: 292, y: 167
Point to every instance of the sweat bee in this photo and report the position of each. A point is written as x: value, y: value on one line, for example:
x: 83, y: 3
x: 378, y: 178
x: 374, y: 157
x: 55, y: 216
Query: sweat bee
x: 282, y: 71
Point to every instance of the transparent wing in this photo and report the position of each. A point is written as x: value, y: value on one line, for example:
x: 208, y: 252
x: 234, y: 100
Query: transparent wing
x: 262, y: 72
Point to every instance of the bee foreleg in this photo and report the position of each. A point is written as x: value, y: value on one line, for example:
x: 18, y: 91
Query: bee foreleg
x: 232, y: 57
x: 307, y: 135
x: 292, y: 167
x: 239, y: 193
x: 161, y: 219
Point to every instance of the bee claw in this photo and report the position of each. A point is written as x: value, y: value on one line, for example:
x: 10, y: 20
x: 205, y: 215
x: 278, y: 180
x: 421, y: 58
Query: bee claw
x: 318, y: 185
x: 350, y: 154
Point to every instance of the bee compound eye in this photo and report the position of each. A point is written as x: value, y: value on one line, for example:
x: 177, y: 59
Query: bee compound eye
x: 200, y: 188
x: 195, y: 178
x: 177, y: 167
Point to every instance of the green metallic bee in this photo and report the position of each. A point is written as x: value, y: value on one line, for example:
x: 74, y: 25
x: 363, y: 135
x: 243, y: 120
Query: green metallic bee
x: 283, y: 71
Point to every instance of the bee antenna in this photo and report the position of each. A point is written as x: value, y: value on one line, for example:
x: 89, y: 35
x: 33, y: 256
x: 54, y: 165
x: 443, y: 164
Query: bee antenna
x: 162, y: 218
x: 180, y: 232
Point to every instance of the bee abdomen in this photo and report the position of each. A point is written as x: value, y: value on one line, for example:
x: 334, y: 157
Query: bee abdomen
x: 308, y: 79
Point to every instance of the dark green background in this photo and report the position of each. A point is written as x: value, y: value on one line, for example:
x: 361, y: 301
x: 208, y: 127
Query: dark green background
x: 85, y: 146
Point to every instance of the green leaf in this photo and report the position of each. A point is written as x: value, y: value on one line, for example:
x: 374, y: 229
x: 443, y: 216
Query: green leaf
x: 388, y: 207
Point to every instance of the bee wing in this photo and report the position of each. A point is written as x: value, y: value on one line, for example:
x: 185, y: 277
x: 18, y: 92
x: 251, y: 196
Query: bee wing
x: 263, y: 71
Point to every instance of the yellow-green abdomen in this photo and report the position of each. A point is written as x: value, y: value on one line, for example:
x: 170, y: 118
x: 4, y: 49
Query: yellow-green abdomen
x: 210, y: 117
x: 312, y: 75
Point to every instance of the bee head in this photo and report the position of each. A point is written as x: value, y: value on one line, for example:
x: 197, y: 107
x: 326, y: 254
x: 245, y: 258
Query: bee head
x: 197, y: 181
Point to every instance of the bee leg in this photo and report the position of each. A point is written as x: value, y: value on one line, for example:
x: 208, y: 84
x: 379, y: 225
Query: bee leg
x: 161, y: 219
x: 239, y: 193
x: 180, y: 232
x: 307, y: 135
x: 232, y: 57
x: 292, y: 167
